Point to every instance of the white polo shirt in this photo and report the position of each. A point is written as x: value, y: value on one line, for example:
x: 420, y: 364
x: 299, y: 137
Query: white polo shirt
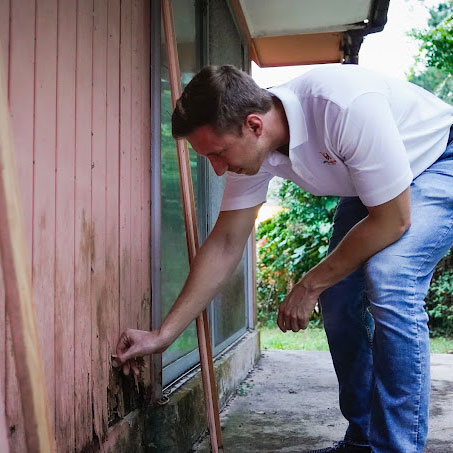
x: 352, y: 133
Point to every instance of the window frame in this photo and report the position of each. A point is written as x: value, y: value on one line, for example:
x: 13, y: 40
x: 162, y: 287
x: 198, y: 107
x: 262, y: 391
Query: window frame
x: 165, y: 376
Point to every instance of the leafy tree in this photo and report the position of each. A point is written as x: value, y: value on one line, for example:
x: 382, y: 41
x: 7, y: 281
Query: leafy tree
x: 436, y: 81
x: 436, y: 49
x: 437, y: 40
x: 436, y: 45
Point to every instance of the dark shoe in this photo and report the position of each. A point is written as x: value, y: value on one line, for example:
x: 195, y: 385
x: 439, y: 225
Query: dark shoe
x: 343, y: 447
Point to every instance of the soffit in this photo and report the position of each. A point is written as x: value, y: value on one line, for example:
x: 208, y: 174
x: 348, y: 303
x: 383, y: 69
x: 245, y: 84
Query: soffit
x: 290, y: 32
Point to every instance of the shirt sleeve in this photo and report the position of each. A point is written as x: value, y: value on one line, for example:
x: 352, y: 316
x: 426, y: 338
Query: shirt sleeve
x: 368, y: 140
x: 245, y: 191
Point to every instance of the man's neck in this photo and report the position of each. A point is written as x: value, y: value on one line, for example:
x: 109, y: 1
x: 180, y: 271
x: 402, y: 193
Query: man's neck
x: 279, y: 127
x: 284, y: 149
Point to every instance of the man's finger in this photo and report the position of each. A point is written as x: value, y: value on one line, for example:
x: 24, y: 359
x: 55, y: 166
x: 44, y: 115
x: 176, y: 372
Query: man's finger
x: 124, y: 343
x: 116, y: 362
x: 126, y: 368
x: 130, y: 354
x: 280, y: 322
x: 135, y: 367
x: 294, y: 325
x: 287, y: 320
x: 303, y: 323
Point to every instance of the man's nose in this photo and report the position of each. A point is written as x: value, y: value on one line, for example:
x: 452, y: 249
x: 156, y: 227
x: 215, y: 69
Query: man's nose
x: 219, y: 166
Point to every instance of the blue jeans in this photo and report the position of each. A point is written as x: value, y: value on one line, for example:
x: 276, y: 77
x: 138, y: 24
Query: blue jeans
x: 376, y: 323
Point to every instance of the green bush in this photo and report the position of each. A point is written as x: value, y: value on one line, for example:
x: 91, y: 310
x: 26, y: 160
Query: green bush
x: 439, y: 302
x: 290, y: 244
x: 293, y: 241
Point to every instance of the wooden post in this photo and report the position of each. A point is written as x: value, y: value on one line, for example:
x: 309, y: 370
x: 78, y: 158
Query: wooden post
x: 190, y: 220
x: 19, y: 303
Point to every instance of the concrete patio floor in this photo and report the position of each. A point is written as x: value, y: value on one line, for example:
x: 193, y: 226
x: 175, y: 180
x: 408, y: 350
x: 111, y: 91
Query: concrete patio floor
x: 288, y: 403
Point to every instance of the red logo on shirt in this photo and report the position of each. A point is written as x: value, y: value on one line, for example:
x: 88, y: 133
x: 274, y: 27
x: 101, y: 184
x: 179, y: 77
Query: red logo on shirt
x: 327, y: 159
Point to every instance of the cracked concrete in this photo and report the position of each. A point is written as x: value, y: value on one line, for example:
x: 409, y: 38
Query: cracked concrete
x: 288, y: 403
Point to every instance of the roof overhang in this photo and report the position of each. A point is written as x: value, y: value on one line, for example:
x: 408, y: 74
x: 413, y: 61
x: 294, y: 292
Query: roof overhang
x: 295, y: 32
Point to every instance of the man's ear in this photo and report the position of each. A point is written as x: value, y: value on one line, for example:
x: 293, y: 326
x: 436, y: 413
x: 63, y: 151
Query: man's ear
x: 254, y: 123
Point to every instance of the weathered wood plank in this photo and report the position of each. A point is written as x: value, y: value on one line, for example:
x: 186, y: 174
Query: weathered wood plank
x: 99, y: 314
x: 14, y: 415
x: 112, y: 200
x: 4, y: 36
x: 4, y: 56
x: 84, y: 235
x: 21, y: 99
x: 64, y: 245
x: 2, y: 338
x: 43, y: 260
x: 113, y: 124
x: 125, y: 166
x: 136, y: 169
x: 112, y: 194
x: 19, y: 303
x: 4, y: 446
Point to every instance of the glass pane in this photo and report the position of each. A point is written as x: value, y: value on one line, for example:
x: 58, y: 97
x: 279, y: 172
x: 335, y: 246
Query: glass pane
x: 229, y: 307
x: 175, y: 265
x: 225, y: 46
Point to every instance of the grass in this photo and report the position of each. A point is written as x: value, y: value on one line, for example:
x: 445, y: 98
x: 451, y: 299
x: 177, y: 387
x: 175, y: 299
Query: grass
x: 314, y: 339
x: 441, y: 345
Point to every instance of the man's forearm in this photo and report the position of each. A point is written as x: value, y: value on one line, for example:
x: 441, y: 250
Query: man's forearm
x: 210, y: 270
x: 363, y: 241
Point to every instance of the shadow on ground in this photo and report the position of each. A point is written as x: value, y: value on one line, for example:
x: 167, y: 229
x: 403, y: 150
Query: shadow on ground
x: 288, y: 404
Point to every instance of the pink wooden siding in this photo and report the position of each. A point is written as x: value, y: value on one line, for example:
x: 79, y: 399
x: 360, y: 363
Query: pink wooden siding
x: 4, y: 54
x: 83, y: 227
x: 78, y: 79
x: 64, y: 226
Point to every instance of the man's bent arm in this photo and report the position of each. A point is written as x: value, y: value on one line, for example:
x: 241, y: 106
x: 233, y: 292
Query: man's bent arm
x: 211, y: 268
x: 384, y: 225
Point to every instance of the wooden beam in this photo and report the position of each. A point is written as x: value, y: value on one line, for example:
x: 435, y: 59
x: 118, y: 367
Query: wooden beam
x: 237, y: 8
x: 19, y: 302
x: 190, y: 220
x: 315, y: 48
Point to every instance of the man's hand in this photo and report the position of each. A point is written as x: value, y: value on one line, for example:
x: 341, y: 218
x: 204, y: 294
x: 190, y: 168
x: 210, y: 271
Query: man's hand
x: 294, y: 312
x: 133, y: 345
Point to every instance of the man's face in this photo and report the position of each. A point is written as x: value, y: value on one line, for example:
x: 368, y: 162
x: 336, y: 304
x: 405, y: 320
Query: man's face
x: 230, y: 152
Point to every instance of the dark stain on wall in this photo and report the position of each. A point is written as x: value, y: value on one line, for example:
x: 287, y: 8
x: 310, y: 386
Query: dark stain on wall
x: 87, y: 241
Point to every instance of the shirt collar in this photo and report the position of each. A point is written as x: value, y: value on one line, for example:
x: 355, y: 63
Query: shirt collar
x: 298, y: 133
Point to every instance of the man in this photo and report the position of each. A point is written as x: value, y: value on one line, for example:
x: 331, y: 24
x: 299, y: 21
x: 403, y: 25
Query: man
x: 380, y: 144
